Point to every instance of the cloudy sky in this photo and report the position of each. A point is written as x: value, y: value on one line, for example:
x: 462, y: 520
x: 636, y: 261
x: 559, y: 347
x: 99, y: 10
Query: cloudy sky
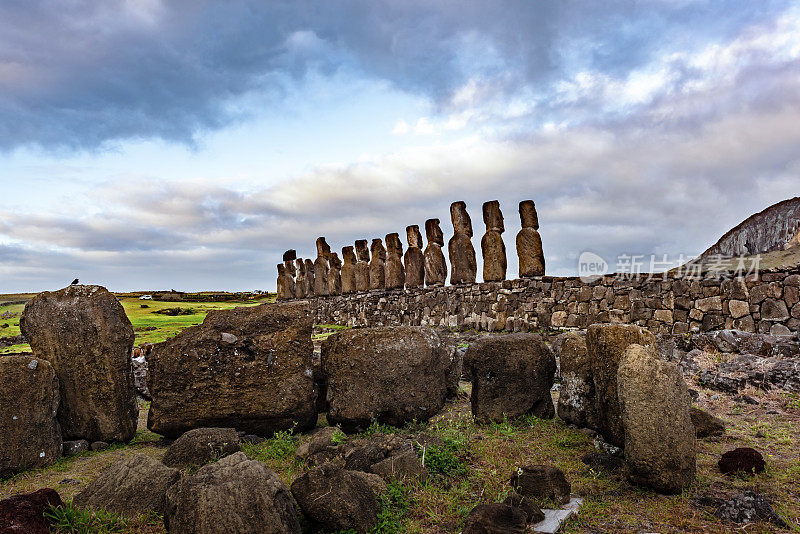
x: 186, y: 144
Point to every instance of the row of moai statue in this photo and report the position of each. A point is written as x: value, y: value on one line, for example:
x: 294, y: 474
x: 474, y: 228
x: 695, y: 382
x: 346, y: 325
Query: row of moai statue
x: 379, y: 267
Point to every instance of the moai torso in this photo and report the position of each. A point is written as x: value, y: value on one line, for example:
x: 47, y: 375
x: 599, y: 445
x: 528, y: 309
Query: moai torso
x: 529, y: 242
x: 321, y: 268
x: 334, y: 274
x: 283, y: 283
x: 348, y: 270
x: 395, y: 274
x: 362, y: 265
x: 435, y: 266
x: 288, y: 261
x: 414, y: 260
x: 492, y: 246
x: 310, y: 278
x: 300, y: 283
x: 377, y: 265
x: 463, y: 264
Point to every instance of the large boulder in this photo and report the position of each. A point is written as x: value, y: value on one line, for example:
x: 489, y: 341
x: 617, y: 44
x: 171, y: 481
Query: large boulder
x: 577, y: 402
x: 248, y: 368
x: 232, y: 496
x: 197, y: 447
x: 511, y: 376
x: 84, y: 333
x: 131, y: 486
x: 660, y: 445
x: 606, y: 344
x: 30, y: 435
x: 24, y: 514
x: 392, y: 375
x: 337, y: 499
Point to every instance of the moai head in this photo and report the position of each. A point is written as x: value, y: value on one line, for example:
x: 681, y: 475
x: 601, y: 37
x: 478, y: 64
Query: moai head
x: 413, y: 236
x: 323, y: 249
x: 334, y: 261
x: 348, y: 255
x: 290, y: 268
x: 461, y: 221
x: 492, y: 216
x: 309, y: 267
x: 377, y: 249
x: 393, y: 244
x: 362, y: 252
x: 527, y: 214
x: 301, y: 266
x: 281, y: 270
x: 290, y: 255
x: 433, y: 233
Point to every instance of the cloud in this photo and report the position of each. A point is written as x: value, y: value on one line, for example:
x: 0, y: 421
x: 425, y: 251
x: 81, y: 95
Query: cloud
x: 91, y: 73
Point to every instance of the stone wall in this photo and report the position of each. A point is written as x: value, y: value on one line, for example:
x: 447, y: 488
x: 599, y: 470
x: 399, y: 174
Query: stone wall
x: 767, y: 304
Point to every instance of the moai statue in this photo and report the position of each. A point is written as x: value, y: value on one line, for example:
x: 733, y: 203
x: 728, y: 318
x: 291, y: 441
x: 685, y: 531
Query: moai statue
x: 310, y: 284
x: 463, y: 265
x: 435, y: 267
x: 334, y: 274
x: 288, y: 260
x: 362, y: 265
x: 395, y: 274
x: 300, y: 283
x: 284, y: 287
x: 377, y: 265
x: 529, y: 242
x: 492, y: 246
x: 348, y: 270
x: 414, y: 260
x: 321, y: 268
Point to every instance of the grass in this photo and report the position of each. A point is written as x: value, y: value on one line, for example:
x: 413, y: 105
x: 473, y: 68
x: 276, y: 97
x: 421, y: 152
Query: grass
x: 67, y: 519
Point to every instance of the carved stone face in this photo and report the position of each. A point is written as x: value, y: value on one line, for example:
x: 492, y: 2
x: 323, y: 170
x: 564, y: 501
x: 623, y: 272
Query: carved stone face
x: 334, y: 260
x: 348, y: 255
x: 461, y: 221
x: 323, y: 249
x: 433, y: 232
x: 393, y: 244
x: 281, y: 269
x: 377, y: 248
x: 362, y: 252
x: 413, y: 236
x: 309, y: 266
x: 492, y: 216
x: 528, y: 215
x: 301, y: 266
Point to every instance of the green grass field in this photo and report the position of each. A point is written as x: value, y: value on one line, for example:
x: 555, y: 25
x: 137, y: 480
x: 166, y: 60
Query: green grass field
x: 148, y: 327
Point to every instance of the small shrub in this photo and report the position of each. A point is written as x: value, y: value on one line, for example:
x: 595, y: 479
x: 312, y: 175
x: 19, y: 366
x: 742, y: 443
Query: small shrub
x: 280, y: 446
x: 67, y: 519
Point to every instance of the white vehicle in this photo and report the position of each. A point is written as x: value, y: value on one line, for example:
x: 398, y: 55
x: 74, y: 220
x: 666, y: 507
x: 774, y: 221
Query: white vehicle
x: 146, y: 297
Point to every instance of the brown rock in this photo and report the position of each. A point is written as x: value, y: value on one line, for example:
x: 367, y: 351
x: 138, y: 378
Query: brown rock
x: 301, y: 282
x: 511, y: 376
x: 336, y: 499
x: 402, y: 466
x: 133, y: 485
x: 705, y: 424
x: 232, y: 496
x: 495, y: 519
x: 414, y: 259
x: 435, y: 266
x: 377, y: 265
x: 321, y: 268
x: 197, y: 447
x: 334, y: 274
x: 492, y: 246
x: 577, y: 402
x: 742, y: 459
x: 248, y: 368
x: 362, y: 265
x: 30, y: 435
x: 606, y: 345
x: 348, y: 270
x: 310, y: 281
x: 529, y: 242
x: 463, y: 265
x: 387, y: 374
x: 525, y: 504
x: 774, y: 310
x: 24, y: 514
x: 395, y: 276
x: 86, y: 336
x: 542, y: 482
x: 660, y: 445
